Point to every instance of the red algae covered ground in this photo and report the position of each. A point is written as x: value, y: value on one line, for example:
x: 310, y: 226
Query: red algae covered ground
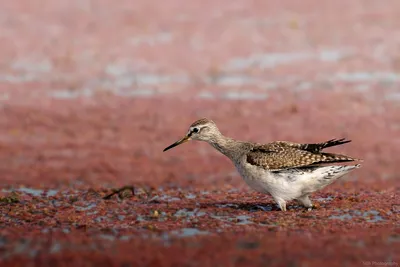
x: 92, y: 92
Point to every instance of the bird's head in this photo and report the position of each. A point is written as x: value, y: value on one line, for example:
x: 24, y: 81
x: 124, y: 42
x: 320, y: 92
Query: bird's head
x: 203, y: 130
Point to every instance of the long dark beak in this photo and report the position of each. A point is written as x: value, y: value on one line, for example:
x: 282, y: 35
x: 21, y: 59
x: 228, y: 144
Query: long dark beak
x: 177, y: 143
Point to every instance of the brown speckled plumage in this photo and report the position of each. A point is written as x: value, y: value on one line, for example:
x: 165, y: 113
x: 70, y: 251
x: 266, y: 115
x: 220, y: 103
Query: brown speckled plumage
x: 283, y: 155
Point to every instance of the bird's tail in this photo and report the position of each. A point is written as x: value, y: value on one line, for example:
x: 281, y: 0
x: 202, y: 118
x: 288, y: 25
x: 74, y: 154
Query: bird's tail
x: 335, y: 172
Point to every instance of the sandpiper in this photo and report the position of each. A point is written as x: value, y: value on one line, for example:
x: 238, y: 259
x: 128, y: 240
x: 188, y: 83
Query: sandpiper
x: 285, y: 170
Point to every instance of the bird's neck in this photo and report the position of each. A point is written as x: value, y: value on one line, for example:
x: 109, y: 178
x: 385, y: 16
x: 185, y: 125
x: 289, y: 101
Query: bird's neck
x: 227, y: 146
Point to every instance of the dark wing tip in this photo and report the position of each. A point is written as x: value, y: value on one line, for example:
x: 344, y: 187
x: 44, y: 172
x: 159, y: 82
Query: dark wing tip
x: 335, y: 142
x: 341, y: 140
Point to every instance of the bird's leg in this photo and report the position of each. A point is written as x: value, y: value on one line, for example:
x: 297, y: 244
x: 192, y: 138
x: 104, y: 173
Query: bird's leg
x: 281, y: 203
x: 305, y: 200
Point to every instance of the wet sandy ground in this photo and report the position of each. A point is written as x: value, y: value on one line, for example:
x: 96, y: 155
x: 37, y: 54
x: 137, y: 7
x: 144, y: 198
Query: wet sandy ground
x: 87, y: 109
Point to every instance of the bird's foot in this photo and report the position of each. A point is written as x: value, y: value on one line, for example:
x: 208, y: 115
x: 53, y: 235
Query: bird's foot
x: 281, y: 203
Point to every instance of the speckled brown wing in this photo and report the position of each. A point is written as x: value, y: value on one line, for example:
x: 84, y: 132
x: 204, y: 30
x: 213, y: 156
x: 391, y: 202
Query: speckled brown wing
x: 318, y: 147
x: 284, y: 155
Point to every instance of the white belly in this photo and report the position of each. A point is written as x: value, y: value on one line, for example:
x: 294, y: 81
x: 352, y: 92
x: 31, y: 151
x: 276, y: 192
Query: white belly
x: 290, y: 184
x: 276, y: 184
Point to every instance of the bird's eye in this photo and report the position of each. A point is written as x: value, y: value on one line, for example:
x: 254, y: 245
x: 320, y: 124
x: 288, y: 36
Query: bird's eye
x: 195, y: 130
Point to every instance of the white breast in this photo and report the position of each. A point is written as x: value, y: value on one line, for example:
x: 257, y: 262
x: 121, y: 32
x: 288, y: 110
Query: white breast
x: 256, y: 178
x: 272, y: 183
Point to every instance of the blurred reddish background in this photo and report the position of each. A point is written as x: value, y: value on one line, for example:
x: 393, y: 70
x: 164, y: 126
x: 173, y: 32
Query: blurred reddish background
x: 92, y: 91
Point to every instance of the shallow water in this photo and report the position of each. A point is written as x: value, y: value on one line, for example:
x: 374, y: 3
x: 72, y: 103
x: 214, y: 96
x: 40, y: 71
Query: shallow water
x: 371, y: 216
x: 33, y: 192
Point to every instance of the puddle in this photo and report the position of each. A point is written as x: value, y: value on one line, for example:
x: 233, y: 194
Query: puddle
x: 248, y: 207
x: 140, y: 218
x: 107, y: 237
x: 70, y: 94
x: 367, y: 77
x: 270, y: 60
x: 135, y: 93
x: 324, y: 199
x: 33, y: 192
x: 239, y: 219
x: 86, y: 208
x: 100, y: 219
x: 233, y: 190
x: 187, y: 213
x: 167, y: 235
x: 263, y: 208
x: 165, y: 198
x: 28, y: 247
x: 371, y: 216
x: 152, y: 216
x: 341, y: 217
x: 243, y: 220
x: 190, y: 196
x: 38, y: 192
x: 245, y: 95
x: 188, y: 232
x: 235, y: 206
x: 234, y: 95
x: 141, y: 79
x: 232, y: 80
